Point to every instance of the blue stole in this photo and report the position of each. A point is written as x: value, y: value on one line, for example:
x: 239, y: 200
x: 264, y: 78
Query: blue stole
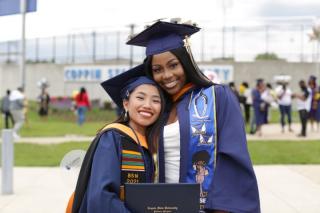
x: 200, y: 151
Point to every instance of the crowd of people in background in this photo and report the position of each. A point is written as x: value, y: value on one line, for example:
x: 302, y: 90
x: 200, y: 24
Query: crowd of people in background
x: 257, y: 101
x: 14, y: 107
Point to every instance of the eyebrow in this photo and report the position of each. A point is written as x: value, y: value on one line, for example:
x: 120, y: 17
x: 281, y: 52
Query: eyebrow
x: 170, y: 61
x: 142, y: 93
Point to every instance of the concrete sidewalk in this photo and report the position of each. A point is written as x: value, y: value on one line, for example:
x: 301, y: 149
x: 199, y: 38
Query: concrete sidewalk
x: 274, y: 132
x: 285, y: 189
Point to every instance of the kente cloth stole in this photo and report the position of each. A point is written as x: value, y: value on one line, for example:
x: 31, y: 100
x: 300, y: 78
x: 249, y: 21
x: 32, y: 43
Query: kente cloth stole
x: 132, y: 162
x: 203, y: 140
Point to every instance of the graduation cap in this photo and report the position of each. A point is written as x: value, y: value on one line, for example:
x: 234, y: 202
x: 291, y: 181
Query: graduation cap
x: 312, y: 78
x: 163, y: 36
x: 120, y: 86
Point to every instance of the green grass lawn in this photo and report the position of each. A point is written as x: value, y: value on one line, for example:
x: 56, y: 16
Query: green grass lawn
x: 284, y: 152
x: 262, y: 152
x: 27, y: 154
x: 63, y: 122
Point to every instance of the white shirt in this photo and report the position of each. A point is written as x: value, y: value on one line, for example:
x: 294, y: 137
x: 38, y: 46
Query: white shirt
x: 305, y: 104
x: 248, y: 94
x: 269, y: 96
x: 286, y: 98
x: 16, y: 95
x: 171, y: 141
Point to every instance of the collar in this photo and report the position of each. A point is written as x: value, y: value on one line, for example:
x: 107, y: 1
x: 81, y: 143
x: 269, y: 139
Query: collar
x: 184, y: 90
x: 140, y: 139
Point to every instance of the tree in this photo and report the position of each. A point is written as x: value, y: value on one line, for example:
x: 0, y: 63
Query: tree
x: 267, y: 56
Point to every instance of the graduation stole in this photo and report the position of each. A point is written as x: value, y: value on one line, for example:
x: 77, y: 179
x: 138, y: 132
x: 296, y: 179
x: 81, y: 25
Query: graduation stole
x: 132, y: 162
x: 203, y: 140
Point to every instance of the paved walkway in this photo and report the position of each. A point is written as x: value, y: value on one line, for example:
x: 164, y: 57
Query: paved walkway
x: 285, y: 189
x: 274, y: 132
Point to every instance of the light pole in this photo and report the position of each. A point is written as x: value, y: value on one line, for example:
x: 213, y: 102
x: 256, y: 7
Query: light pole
x: 23, y: 7
x: 225, y: 5
x: 132, y: 26
x: 315, y: 36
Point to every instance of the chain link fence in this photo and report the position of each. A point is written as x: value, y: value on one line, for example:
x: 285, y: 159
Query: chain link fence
x: 288, y: 42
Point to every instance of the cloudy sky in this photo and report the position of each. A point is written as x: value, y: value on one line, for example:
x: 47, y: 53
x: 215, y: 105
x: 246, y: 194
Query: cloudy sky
x: 59, y: 17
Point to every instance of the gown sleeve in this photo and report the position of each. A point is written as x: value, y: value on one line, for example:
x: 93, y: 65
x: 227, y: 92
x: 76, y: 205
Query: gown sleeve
x: 234, y: 188
x: 104, y: 185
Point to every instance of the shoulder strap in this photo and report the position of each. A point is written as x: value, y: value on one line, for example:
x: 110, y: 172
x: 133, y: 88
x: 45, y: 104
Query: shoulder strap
x: 138, y: 138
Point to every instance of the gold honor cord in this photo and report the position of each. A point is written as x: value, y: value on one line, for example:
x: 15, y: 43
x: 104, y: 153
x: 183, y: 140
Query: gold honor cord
x: 156, y: 163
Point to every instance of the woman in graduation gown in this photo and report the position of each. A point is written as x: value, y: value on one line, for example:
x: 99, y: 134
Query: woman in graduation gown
x: 120, y: 152
x: 203, y: 139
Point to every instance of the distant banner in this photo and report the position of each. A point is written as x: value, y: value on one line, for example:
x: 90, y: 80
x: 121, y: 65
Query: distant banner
x: 218, y: 73
x: 11, y: 7
x: 92, y: 73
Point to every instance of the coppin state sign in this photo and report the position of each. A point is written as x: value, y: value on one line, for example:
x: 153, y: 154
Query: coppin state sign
x: 216, y: 73
x: 92, y: 73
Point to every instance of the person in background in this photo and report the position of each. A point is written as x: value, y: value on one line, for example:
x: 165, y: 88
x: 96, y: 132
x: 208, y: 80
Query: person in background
x: 201, y: 119
x: 234, y: 90
x: 318, y: 108
x: 269, y: 96
x: 82, y: 105
x: 123, y: 151
x: 284, y: 94
x: 5, y: 110
x: 247, y: 94
x: 259, y: 106
x: 241, y: 89
x: 44, y: 101
x: 242, y: 99
x: 315, y: 102
x: 303, y: 106
x: 17, y: 105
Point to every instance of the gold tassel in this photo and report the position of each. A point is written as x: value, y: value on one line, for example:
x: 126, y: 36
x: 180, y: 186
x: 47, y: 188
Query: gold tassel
x: 156, y: 172
x: 188, y: 48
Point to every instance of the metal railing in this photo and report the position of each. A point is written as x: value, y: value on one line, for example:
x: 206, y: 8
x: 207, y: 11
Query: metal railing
x: 289, y: 42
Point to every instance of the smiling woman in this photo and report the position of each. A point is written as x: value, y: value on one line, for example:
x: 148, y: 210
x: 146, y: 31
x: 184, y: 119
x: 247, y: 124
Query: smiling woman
x: 143, y: 107
x: 122, y: 151
x: 168, y: 72
x: 203, y: 139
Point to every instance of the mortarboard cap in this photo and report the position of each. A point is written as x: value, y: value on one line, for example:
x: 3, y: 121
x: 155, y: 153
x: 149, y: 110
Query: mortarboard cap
x: 163, y: 36
x: 312, y: 78
x: 119, y: 86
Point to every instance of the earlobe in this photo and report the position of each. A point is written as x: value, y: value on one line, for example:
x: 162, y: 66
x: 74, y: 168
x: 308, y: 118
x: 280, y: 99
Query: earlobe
x: 125, y: 105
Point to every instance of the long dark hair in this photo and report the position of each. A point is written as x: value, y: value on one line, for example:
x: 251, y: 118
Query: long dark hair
x: 191, y: 70
x: 152, y: 131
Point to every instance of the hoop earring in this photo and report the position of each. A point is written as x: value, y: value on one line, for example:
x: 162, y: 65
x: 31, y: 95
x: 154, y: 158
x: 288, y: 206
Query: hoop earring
x: 125, y: 115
